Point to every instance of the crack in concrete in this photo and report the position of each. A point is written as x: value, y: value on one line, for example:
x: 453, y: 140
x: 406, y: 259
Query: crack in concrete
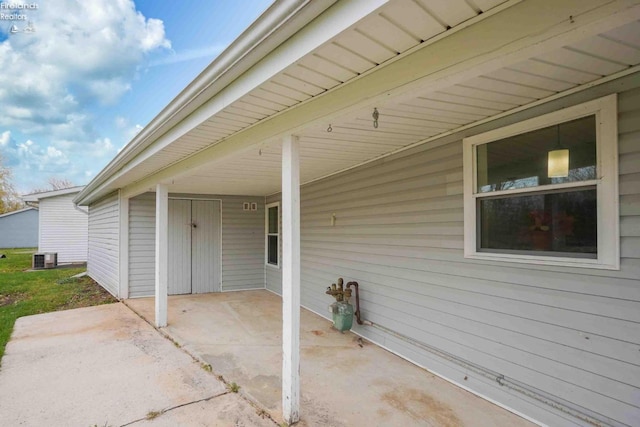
x: 164, y: 411
x: 262, y: 412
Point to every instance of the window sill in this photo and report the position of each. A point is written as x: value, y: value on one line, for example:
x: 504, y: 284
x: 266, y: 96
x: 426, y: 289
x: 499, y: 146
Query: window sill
x: 273, y: 267
x: 545, y: 260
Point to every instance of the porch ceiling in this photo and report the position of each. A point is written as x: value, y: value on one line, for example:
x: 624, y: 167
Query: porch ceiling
x: 405, y: 118
x: 411, y: 118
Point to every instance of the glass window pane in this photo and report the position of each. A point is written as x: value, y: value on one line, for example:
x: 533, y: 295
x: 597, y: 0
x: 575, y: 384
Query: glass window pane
x: 522, y: 161
x: 273, y: 219
x: 560, y: 223
x: 272, y: 257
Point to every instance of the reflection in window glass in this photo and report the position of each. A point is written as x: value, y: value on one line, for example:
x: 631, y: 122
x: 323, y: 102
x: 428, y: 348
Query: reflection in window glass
x: 520, y: 161
x: 272, y: 235
x: 273, y: 250
x: 556, y: 223
x: 273, y: 219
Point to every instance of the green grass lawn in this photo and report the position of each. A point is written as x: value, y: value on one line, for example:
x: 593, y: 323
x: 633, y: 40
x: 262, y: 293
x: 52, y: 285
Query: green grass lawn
x: 23, y: 293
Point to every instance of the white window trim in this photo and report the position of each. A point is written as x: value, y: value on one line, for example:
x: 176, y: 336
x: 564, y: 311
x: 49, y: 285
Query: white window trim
x: 266, y: 235
x: 608, y: 234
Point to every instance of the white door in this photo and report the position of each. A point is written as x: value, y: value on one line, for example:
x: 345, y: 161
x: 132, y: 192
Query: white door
x: 205, y: 246
x: 179, y: 247
x: 194, y: 246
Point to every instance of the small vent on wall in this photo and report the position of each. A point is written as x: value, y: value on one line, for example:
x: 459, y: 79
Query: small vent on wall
x: 249, y: 206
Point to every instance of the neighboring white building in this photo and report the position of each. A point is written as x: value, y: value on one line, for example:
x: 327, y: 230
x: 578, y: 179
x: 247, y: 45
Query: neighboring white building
x: 63, y: 226
x: 19, y: 229
x: 405, y: 145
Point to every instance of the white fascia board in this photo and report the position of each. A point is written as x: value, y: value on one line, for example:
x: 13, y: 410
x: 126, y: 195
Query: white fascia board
x: 282, y: 46
x: 514, y: 34
x: 35, y: 197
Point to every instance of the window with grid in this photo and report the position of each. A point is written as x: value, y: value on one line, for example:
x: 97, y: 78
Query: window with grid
x: 545, y: 190
x: 273, y: 234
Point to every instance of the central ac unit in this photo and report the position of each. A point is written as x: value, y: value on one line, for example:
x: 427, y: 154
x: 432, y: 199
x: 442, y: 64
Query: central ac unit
x: 50, y: 259
x: 38, y: 261
x: 45, y: 260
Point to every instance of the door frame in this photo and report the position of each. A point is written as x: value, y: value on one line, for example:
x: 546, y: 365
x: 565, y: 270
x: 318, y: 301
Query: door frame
x: 206, y: 199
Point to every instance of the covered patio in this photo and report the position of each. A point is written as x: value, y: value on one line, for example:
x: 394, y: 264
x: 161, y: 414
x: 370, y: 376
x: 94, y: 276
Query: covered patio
x: 345, y: 380
x: 348, y: 122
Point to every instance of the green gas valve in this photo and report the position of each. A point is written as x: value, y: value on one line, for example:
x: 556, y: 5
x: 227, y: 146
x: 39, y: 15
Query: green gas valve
x: 341, y: 310
x: 342, y: 315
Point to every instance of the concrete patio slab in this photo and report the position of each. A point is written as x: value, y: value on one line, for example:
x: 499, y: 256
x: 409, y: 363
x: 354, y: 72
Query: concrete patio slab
x: 105, y: 366
x: 345, y: 380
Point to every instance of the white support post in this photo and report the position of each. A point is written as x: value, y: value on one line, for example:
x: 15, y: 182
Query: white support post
x: 123, y: 289
x: 162, y: 253
x: 290, y: 279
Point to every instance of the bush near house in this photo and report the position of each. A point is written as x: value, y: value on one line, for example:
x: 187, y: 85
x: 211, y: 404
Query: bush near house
x: 23, y: 293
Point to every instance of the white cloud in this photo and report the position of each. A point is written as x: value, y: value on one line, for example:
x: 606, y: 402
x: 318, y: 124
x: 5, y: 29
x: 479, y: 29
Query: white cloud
x: 33, y: 157
x: 82, y: 54
x: 134, y: 130
x: 5, y: 137
x: 67, y: 160
x: 154, y: 36
x: 120, y: 122
x: 128, y: 131
x: 101, y: 148
x: 54, y: 153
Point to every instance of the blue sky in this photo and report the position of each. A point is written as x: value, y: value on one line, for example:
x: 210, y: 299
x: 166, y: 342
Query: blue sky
x: 92, y: 73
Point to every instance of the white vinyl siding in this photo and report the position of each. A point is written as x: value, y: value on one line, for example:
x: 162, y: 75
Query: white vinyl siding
x: 242, y: 243
x: 104, y: 243
x: 63, y: 228
x: 571, y: 333
x: 142, y: 245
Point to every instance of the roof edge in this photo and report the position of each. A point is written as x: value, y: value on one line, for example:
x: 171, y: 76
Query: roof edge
x: 235, y: 58
x: 29, y: 208
x: 35, y: 197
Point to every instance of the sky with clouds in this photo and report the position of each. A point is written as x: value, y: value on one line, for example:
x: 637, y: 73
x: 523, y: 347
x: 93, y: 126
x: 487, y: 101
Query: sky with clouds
x: 79, y: 79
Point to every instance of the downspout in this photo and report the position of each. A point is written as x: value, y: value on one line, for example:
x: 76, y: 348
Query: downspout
x: 77, y: 207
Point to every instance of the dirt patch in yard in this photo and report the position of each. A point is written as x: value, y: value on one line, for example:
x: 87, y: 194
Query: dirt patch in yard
x: 88, y: 293
x: 10, y: 299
